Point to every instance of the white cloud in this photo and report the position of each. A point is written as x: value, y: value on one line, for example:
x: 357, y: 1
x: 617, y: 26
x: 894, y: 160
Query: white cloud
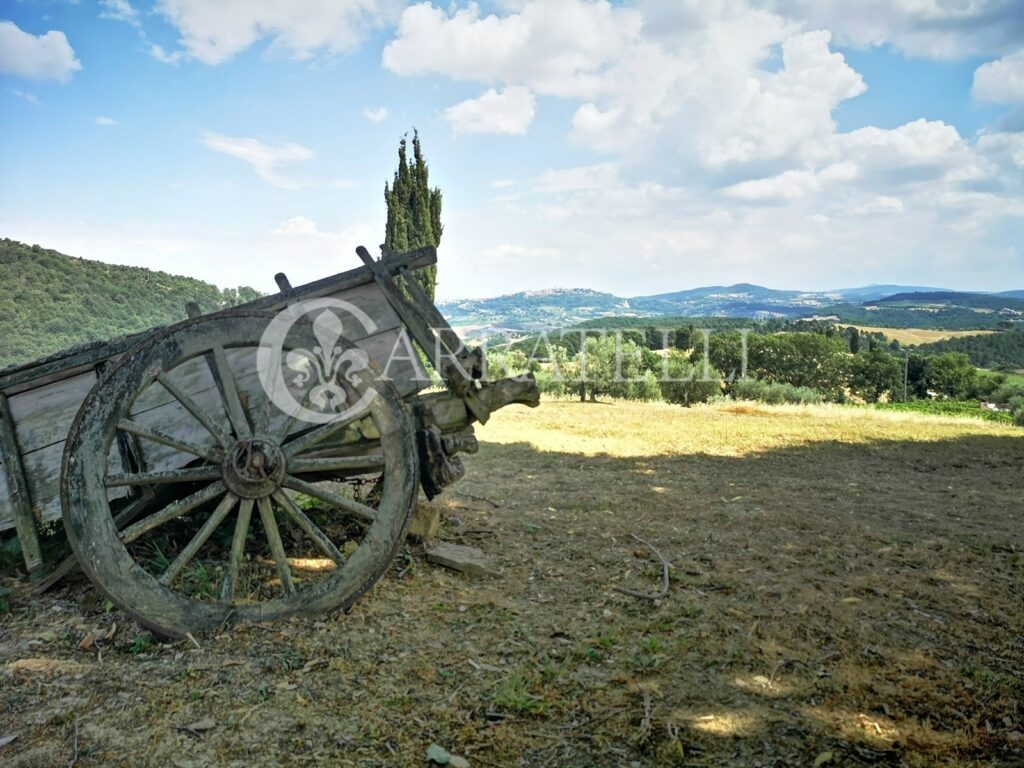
x: 120, y: 10
x: 553, y: 47
x: 215, y: 32
x: 934, y: 28
x: 297, y: 226
x: 158, y: 53
x: 29, y: 97
x: 104, y: 120
x: 510, y: 112
x: 42, y: 57
x: 1001, y: 80
x: 378, y: 115
x: 266, y: 159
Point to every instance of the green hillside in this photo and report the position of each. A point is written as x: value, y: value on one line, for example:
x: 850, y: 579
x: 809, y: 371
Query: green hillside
x: 993, y: 350
x: 50, y: 301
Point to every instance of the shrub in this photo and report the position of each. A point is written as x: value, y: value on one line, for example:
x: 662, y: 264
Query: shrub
x: 646, y: 388
x: 772, y: 393
x: 550, y: 384
x: 687, y: 383
x: 1006, y: 393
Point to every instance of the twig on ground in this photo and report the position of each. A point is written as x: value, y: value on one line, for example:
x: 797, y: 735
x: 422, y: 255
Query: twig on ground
x: 74, y: 748
x: 664, y: 576
x: 643, y: 733
x: 494, y: 504
x: 784, y: 663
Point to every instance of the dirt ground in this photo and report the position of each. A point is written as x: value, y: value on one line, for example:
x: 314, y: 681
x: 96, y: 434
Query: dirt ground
x: 845, y: 590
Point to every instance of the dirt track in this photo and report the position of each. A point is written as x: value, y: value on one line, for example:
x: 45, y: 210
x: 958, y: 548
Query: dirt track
x: 853, y: 603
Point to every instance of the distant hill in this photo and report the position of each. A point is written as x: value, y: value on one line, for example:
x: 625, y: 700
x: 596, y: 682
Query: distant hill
x: 50, y: 301
x: 874, y: 292
x: 994, y: 302
x: 536, y: 310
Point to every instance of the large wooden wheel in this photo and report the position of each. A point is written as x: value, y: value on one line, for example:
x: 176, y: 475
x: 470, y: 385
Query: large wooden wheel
x: 229, y: 518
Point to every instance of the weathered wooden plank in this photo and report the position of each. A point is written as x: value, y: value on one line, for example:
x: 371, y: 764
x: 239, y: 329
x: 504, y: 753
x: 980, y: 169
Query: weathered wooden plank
x: 394, y: 352
x: 42, y: 477
x: 42, y: 416
x: 17, y: 491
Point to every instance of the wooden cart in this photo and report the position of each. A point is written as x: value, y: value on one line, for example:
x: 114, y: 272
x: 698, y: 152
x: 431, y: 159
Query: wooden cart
x: 251, y: 464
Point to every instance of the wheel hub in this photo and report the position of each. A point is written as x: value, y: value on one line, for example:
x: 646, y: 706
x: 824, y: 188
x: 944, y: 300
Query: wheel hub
x: 254, y: 468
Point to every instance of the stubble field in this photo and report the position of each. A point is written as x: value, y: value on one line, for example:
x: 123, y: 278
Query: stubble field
x: 845, y: 588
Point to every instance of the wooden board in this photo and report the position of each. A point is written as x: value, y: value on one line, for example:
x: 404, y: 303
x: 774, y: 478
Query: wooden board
x: 42, y: 416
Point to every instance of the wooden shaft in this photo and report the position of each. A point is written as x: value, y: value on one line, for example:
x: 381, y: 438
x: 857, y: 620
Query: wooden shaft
x: 17, y: 486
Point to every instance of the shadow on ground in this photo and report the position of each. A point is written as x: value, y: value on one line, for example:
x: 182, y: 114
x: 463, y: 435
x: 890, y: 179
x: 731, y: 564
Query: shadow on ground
x: 845, y: 604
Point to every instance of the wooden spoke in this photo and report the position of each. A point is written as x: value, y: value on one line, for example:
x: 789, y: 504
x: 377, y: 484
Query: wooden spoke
x: 193, y: 547
x: 372, y: 461
x: 237, y: 550
x: 361, y: 511
x: 157, y: 436
x: 178, y: 508
x: 194, y: 408
x: 318, y: 435
x: 282, y: 434
x: 312, y: 530
x: 284, y: 571
x: 229, y: 390
x: 264, y: 411
x: 187, y: 475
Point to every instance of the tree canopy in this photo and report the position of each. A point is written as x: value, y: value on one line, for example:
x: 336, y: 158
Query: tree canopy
x: 414, y: 210
x: 50, y: 301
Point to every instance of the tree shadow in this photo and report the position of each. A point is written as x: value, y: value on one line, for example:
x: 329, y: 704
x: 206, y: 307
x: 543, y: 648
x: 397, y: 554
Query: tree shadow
x: 862, y: 600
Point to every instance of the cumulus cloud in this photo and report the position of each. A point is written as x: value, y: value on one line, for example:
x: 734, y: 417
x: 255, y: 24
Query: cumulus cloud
x: 933, y: 28
x: 378, y: 115
x: 120, y: 10
x: 1001, y: 80
x: 216, y: 32
x: 42, y: 57
x: 266, y: 159
x: 510, y: 111
x: 552, y: 47
x: 104, y: 120
x: 297, y: 226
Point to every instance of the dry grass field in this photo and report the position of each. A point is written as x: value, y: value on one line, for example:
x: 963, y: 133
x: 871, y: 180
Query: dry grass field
x: 915, y: 335
x: 845, y: 589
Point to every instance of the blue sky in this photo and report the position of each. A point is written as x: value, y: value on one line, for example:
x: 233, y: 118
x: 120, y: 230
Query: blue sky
x: 635, y: 147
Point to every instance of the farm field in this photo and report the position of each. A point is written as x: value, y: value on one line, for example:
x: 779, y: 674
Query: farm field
x: 915, y: 335
x: 845, y: 589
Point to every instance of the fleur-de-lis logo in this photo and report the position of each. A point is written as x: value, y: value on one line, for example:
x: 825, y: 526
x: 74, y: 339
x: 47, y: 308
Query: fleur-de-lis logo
x: 328, y: 362
x: 326, y: 380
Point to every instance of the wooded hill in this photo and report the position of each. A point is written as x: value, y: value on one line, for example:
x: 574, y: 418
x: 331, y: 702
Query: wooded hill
x: 992, y: 350
x: 50, y: 301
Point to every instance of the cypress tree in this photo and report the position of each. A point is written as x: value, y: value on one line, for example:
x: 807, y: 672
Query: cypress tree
x: 414, y: 210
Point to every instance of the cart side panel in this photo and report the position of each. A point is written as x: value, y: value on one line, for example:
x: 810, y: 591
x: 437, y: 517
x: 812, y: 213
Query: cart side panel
x: 42, y: 474
x: 42, y: 416
x: 391, y: 345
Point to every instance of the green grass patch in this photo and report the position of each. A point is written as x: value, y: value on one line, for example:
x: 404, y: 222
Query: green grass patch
x: 968, y: 408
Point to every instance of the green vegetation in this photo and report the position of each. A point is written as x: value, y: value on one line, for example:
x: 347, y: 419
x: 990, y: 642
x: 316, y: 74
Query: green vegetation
x: 948, y: 408
x: 949, y: 318
x: 51, y: 301
x: 952, y: 299
x: 414, y: 210
x: 773, y: 394
x: 991, y: 350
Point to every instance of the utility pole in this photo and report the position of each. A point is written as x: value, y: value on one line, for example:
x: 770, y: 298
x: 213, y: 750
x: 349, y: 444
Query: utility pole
x: 906, y: 368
